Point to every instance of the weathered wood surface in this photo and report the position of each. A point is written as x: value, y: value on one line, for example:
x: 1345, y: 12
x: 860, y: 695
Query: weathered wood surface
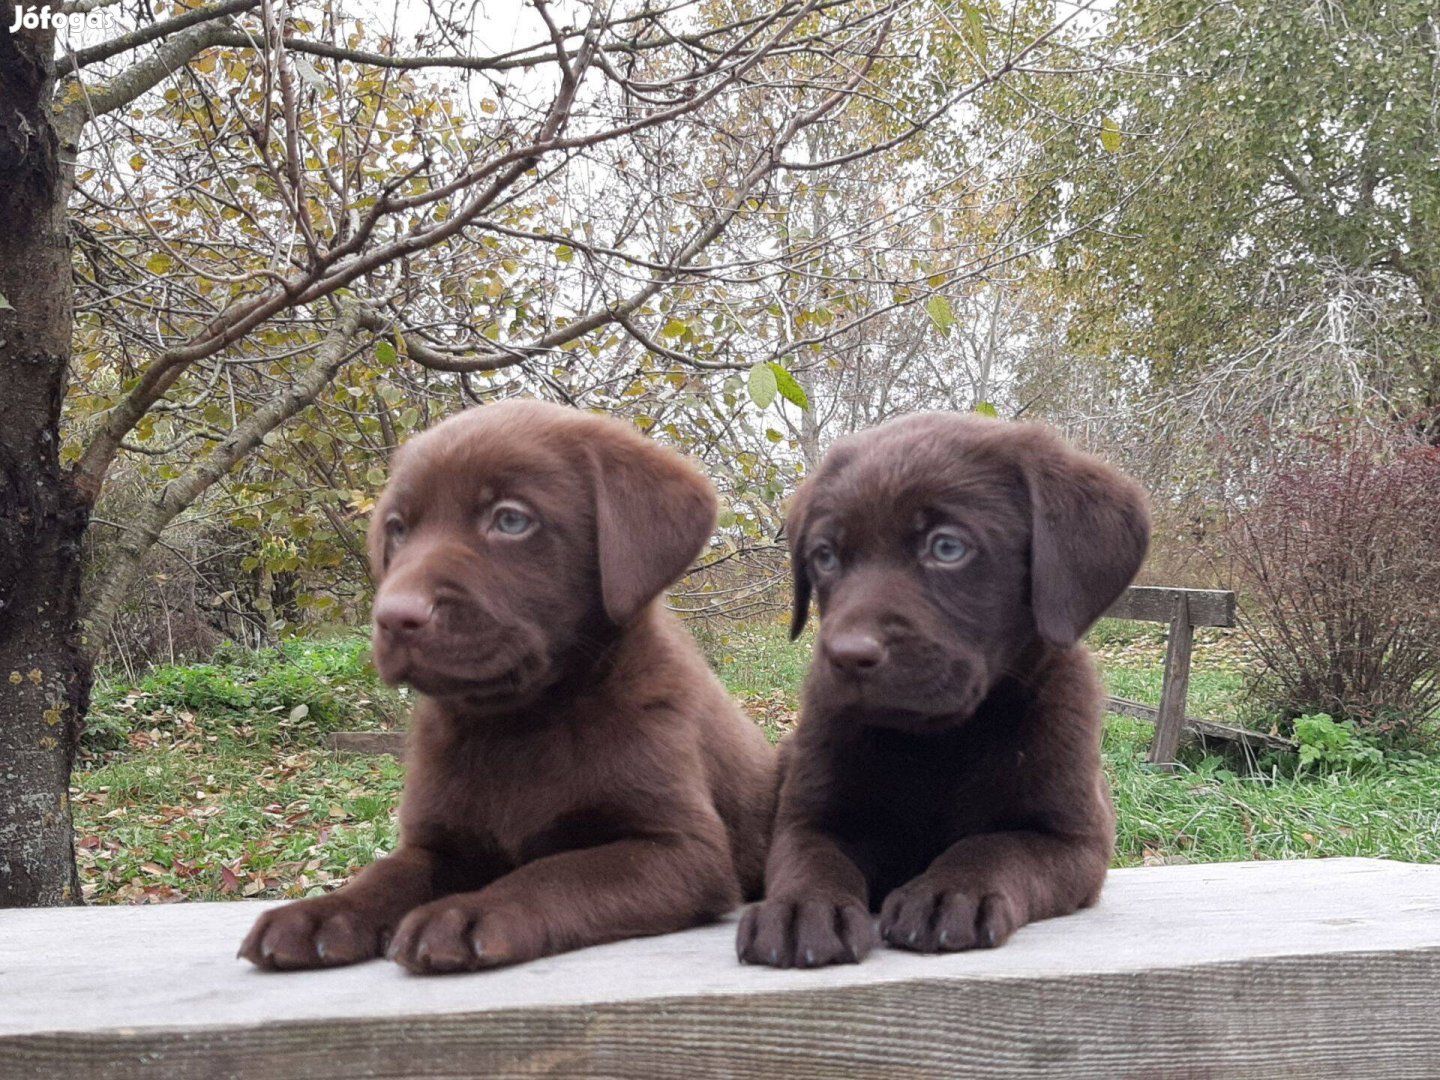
x: 1302, y: 969
x: 368, y: 742
x: 1148, y: 603
x: 1175, y: 684
x: 1210, y: 729
x: 1183, y: 609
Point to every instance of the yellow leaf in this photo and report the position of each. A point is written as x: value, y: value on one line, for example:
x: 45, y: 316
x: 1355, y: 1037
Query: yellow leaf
x: 1110, y: 135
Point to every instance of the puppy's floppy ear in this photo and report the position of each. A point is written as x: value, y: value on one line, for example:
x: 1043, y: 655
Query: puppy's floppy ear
x: 799, y: 573
x: 1090, y: 532
x: 653, y: 515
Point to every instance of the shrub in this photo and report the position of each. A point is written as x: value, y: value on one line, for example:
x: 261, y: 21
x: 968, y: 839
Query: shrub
x: 1338, y: 561
x: 1326, y: 745
x: 289, y: 696
x: 204, y: 688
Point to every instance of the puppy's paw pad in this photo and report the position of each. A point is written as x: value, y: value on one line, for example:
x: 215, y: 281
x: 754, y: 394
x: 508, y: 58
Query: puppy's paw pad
x: 310, y: 934
x: 435, y: 938
x: 927, y: 917
x: 804, y: 933
x: 452, y: 935
x: 996, y: 919
x: 912, y: 918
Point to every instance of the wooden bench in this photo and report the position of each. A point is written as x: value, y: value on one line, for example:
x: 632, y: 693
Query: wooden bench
x: 1315, y: 969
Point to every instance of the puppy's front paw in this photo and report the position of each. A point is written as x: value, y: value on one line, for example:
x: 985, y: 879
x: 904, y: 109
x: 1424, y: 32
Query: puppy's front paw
x: 460, y: 934
x: 929, y: 916
x: 319, y: 932
x: 805, y: 933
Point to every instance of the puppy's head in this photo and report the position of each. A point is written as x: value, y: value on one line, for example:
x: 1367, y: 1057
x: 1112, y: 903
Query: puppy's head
x: 515, y: 541
x: 941, y: 547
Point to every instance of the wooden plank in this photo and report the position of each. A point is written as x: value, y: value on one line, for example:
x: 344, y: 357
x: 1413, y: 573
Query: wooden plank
x: 1178, y: 971
x: 1198, y: 726
x: 368, y: 742
x: 1208, y: 607
x: 1174, y: 684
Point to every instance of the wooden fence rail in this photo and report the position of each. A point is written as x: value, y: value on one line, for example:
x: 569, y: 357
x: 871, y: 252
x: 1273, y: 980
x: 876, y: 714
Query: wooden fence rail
x: 1183, y: 610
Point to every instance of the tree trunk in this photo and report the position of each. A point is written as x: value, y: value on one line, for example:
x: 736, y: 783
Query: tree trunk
x: 44, y: 669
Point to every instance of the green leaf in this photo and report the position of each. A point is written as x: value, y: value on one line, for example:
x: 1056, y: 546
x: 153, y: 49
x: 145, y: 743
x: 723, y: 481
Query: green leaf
x: 975, y: 31
x: 940, y: 312
x: 986, y: 409
x: 5, y: 304
x: 385, y: 352
x: 763, y: 384
x: 1110, y: 135
x: 565, y: 253
x: 789, y: 389
x: 674, y: 328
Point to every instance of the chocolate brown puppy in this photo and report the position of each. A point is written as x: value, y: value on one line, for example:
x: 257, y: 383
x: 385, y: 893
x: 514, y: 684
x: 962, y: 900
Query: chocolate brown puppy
x: 575, y: 773
x: 946, y: 769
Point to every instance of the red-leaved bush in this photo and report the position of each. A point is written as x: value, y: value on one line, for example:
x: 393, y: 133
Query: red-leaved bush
x: 1337, y: 552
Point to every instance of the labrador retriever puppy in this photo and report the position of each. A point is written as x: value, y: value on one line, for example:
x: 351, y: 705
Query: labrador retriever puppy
x: 946, y: 768
x: 575, y: 773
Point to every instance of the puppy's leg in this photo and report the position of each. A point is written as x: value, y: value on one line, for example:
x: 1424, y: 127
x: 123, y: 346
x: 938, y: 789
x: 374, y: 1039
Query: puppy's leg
x: 628, y: 888
x: 815, y: 912
x: 346, y: 926
x: 983, y: 888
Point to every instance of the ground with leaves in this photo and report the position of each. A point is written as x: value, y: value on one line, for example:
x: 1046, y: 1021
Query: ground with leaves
x: 211, y: 781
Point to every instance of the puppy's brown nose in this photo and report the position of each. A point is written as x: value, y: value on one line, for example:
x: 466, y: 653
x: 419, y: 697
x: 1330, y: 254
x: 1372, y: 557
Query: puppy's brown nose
x: 401, y: 614
x: 854, y: 653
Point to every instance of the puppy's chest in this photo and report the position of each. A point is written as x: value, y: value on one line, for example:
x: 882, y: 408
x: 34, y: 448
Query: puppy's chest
x: 939, y: 786
x: 513, y: 803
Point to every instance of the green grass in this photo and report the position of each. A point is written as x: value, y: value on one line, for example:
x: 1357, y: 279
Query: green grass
x: 289, y: 696
x: 209, y: 781
x: 762, y: 668
x: 1206, y: 812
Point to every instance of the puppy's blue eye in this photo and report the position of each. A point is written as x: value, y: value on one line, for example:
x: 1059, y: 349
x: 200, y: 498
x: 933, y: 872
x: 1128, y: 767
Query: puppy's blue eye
x: 824, y: 558
x: 947, y: 548
x: 512, y: 522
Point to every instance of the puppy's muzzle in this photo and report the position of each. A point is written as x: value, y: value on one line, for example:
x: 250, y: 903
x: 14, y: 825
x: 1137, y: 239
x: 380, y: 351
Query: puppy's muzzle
x: 854, y: 653
x: 402, y: 617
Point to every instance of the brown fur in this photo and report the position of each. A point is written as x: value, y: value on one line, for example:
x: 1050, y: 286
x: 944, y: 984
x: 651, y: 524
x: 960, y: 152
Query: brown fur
x: 575, y: 773
x: 946, y: 770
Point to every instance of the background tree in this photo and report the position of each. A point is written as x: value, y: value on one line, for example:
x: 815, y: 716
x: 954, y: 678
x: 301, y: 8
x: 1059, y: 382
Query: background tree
x: 249, y: 246
x: 1262, y: 185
